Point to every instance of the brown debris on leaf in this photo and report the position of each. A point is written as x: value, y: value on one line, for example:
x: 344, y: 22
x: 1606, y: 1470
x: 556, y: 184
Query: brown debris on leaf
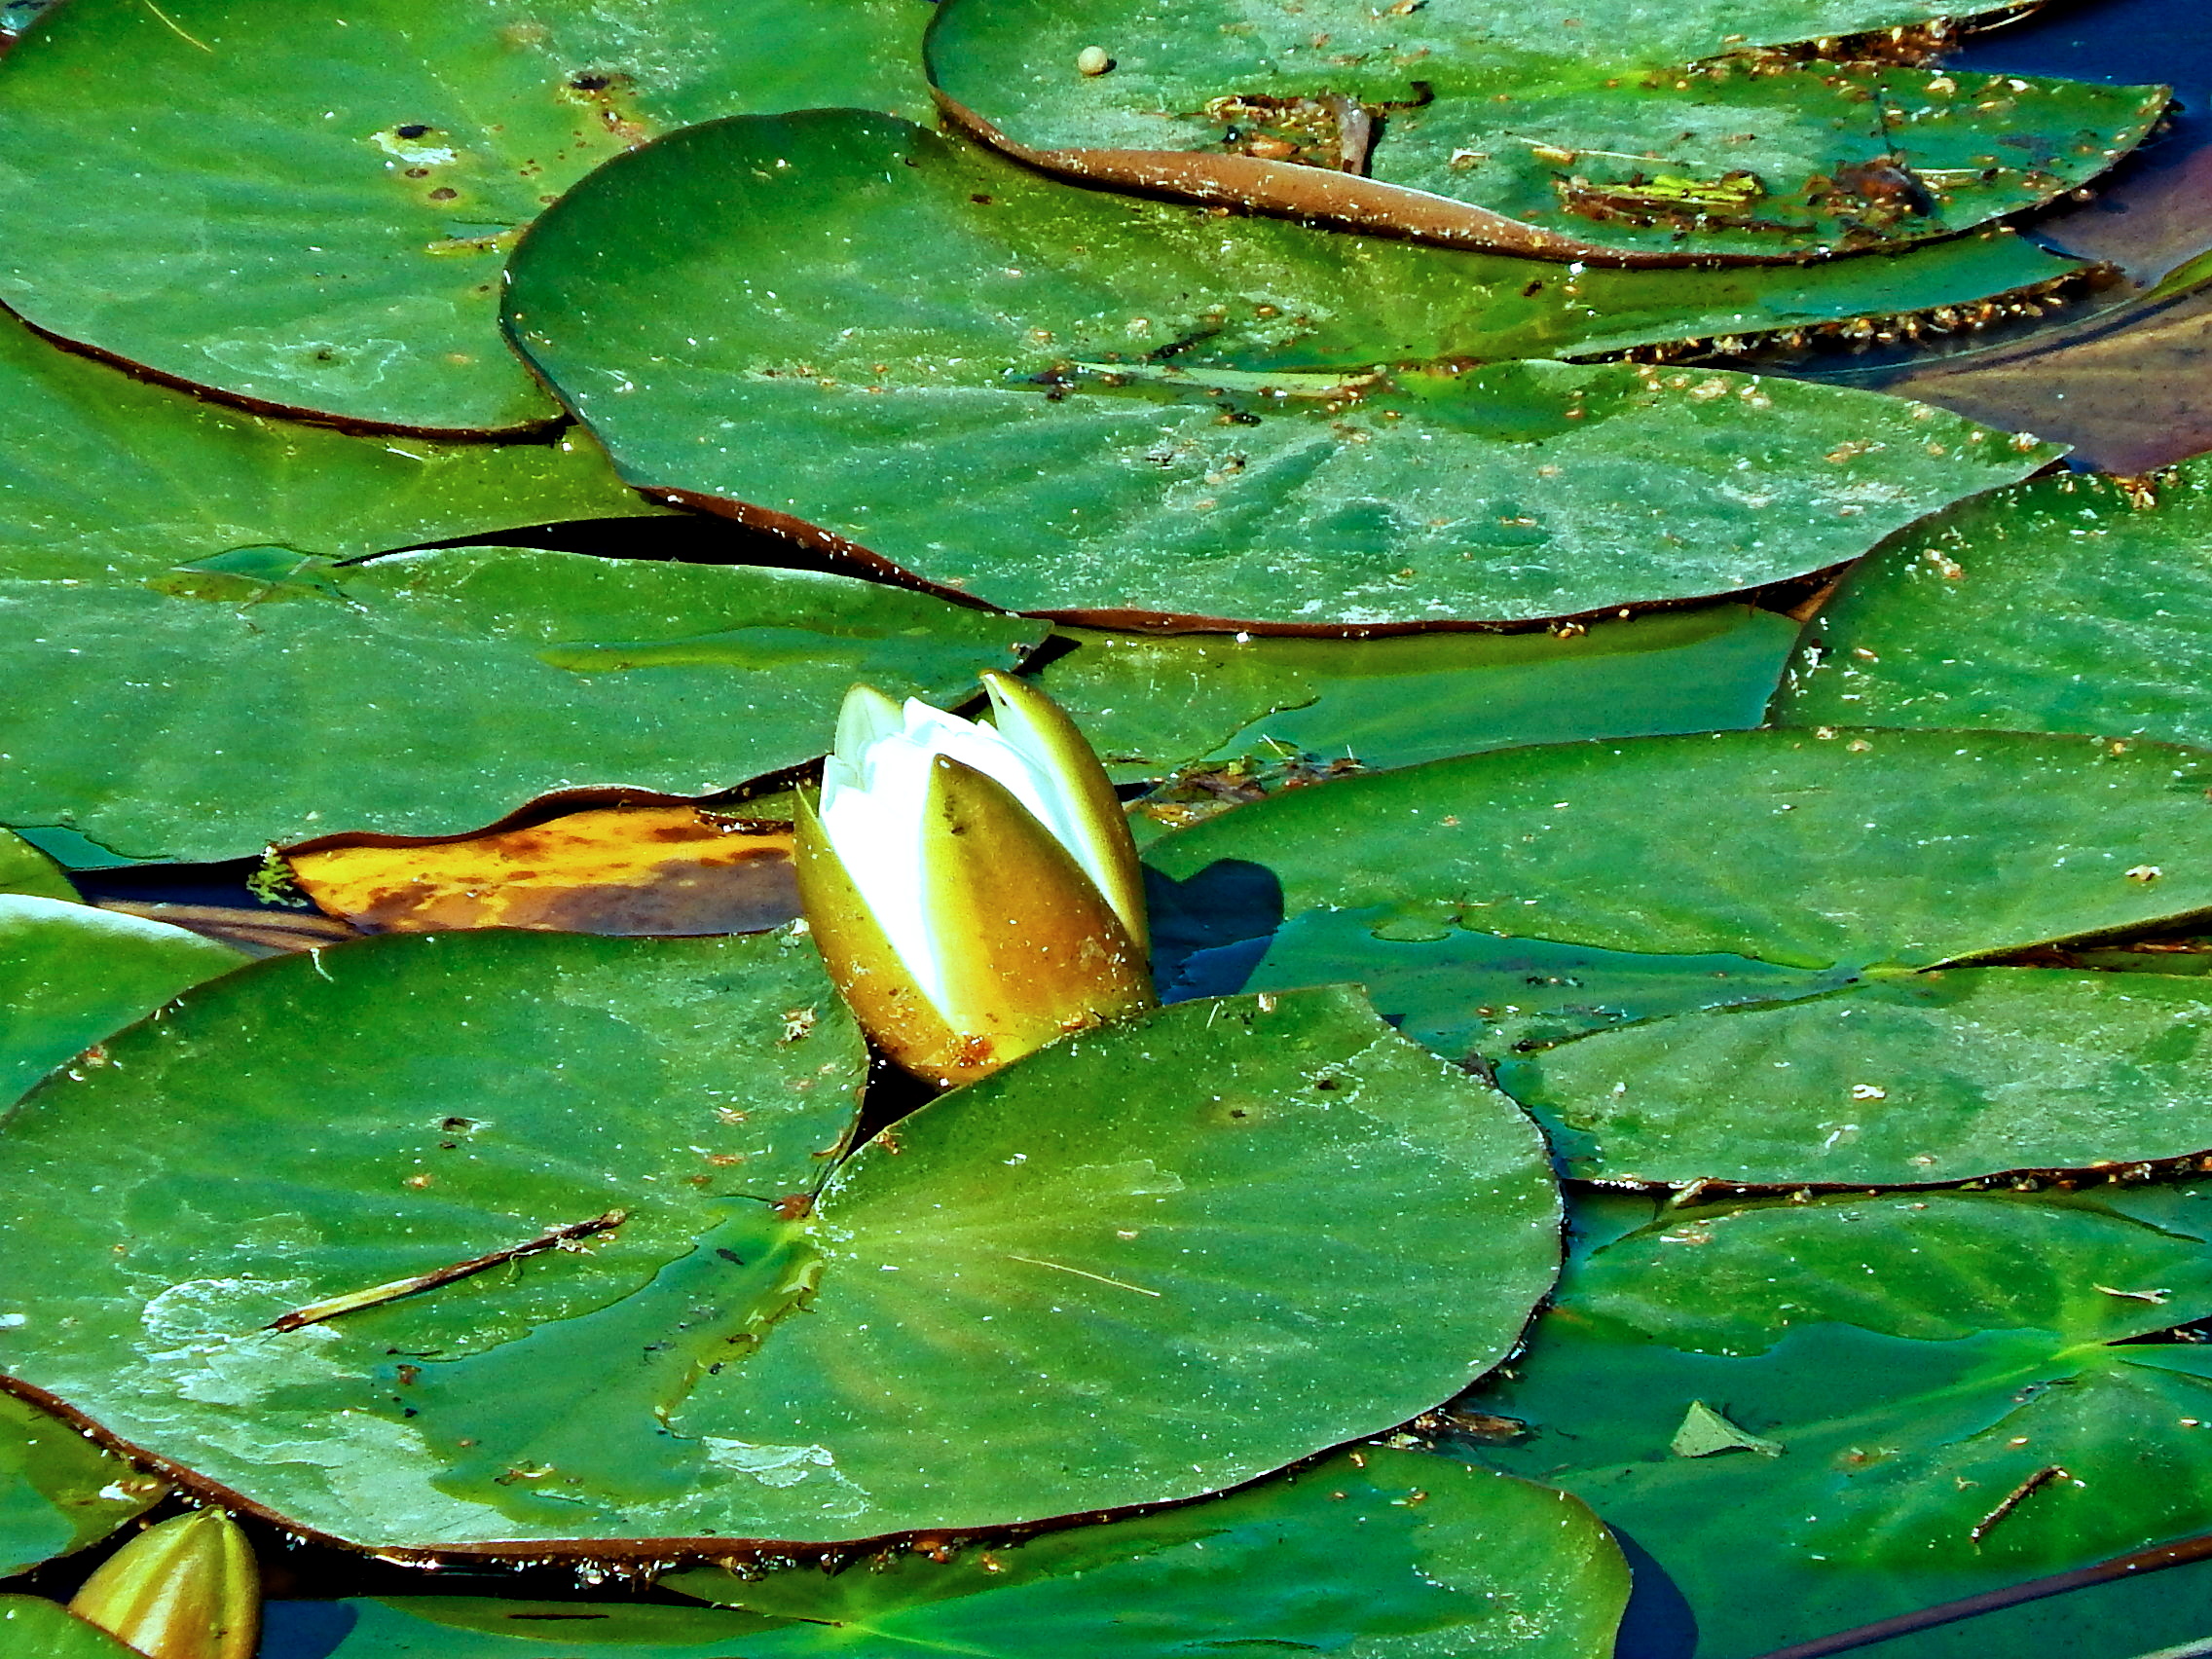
x: 666, y: 871
x: 1327, y: 131
x: 1200, y: 792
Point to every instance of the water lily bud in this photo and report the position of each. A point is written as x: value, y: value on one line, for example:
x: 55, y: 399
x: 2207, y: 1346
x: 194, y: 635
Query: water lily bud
x: 973, y: 888
x: 186, y: 1589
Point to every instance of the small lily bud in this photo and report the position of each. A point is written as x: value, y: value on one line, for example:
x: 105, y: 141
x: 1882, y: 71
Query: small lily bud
x: 973, y: 888
x: 186, y: 1589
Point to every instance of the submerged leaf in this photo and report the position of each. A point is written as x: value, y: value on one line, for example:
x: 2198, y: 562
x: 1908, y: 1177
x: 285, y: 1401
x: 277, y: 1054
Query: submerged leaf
x: 907, y: 350
x: 1652, y: 135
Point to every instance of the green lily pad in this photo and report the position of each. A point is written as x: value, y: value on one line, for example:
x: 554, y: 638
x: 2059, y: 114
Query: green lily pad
x: 59, y: 1492
x: 1733, y: 957
x: 905, y: 349
x: 1393, y: 1554
x: 1954, y: 1382
x: 71, y: 975
x: 1934, y: 1076
x: 34, y: 1628
x: 1625, y: 131
x: 262, y: 696
x: 101, y: 472
x: 308, y: 212
x: 1151, y: 704
x: 27, y: 870
x: 1399, y: 1545
x: 1085, y: 1283
x: 2070, y: 603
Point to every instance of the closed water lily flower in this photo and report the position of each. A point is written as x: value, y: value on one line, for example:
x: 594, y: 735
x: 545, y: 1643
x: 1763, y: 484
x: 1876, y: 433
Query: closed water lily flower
x: 973, y: 888
x: 186, y: 1589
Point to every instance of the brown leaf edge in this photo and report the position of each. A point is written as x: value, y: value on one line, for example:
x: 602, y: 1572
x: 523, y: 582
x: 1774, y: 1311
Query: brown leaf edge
x: 1289, y: 190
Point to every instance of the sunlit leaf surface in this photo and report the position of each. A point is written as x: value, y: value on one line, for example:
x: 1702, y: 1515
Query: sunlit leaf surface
x: 1634, y: 933
x: 1389, y: 1555
x: 59, y: 1492
x: 1605, y: 128
x: 1953, y: 1379
x: 1087, y: 1281
x: 903, y: 347
x: 71, y: 975
x: 101, y: 474
x: 34, y: 1628
x: 208, y: 712
x: 308, y: 210
x: 1150, y: 704
x: 2066, y: 604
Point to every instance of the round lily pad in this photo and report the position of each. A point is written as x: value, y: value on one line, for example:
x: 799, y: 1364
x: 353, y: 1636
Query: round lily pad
x: 25, y: 869
x: 34, y: 1628
x: 307, y: 211
x: 1387, y: 1554
x: 1088, y: 1281
x: 1626, y: 132
x: 1151, y: 704
x: 100, y: 472
x: 1396, y: 1551
x: 913, y: 355
x: 2071, y: 603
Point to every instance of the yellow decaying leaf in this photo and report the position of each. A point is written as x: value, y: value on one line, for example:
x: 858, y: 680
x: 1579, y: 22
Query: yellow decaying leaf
x: 642, y: 869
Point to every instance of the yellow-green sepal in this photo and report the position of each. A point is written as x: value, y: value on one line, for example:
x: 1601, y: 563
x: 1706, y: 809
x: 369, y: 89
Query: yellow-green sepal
x: 186, y: 1589
x: 1022, y: 710
x: 1027, y: 947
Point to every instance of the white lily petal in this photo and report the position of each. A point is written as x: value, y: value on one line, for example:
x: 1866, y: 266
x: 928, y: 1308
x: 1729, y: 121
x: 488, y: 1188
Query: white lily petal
x: 983, y: 748
x: 865, y: 715
x: 875, y: 827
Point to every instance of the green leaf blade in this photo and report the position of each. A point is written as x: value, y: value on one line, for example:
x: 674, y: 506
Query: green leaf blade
x: 1921, y: 1356
x: 71, y: 975
x: 1121, y: 410
x: 947, y: 1340
x: 206, y: 714
x: 388, y: 160
x: 2071, y: 603
x: 1615, y: 135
